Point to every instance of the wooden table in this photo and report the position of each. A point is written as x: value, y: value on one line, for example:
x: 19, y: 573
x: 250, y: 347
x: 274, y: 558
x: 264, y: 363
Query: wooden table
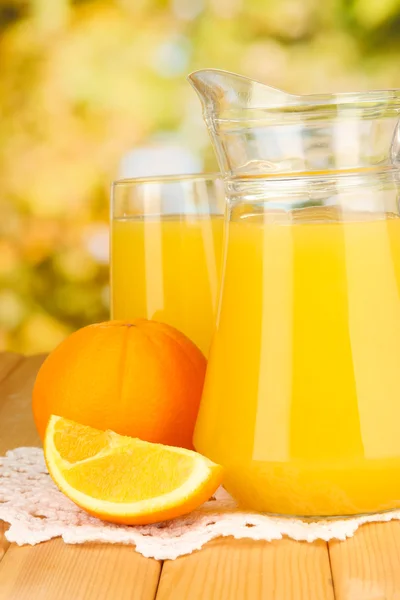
x: 366, y: 567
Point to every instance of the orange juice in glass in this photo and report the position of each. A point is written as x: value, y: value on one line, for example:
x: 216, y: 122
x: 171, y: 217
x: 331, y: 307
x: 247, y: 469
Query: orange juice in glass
x: 166, y: 245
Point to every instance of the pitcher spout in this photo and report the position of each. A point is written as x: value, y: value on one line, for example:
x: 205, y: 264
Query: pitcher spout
x: 257, y: 130
x: 222, y: 91
x: 231, y: 105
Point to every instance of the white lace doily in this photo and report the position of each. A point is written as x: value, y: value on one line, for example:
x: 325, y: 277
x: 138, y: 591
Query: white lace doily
x: 37, y: 511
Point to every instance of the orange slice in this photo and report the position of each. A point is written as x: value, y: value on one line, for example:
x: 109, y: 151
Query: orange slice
x: 125, y: 480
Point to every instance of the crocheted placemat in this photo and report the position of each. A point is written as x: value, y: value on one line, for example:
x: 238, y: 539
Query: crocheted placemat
x: 37, y: 511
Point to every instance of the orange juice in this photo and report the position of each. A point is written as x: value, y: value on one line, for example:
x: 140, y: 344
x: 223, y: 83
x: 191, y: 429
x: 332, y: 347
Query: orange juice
x: 302, y: 396
x: 167, y: 269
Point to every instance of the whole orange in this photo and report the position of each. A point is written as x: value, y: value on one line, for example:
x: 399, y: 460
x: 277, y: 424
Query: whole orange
x: 142, y: 379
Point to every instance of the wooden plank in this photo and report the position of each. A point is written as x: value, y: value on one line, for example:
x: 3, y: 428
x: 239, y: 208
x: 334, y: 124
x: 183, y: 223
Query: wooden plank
x: 56, y: 571
x: 367, y: 566
x: 16, y: 421
x: 17, y: 375
x: 229, y: 569
x: 3, y: 542
x: 8, y: 362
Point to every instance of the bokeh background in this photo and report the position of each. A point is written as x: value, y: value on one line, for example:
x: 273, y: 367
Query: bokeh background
x: 85, y: 83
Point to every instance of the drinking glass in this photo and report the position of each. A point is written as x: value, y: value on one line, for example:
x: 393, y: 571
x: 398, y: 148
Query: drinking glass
x: 166, y: 246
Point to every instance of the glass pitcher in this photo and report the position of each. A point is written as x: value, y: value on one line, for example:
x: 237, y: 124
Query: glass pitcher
x: 302, y: 396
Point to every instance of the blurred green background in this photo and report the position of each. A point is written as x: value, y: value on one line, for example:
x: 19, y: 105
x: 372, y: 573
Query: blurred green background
x: 84, y: 82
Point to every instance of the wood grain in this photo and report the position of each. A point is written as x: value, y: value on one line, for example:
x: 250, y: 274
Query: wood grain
x: 17, y: 375
x: 16, y: 421
x: 57, y: 571
x: 229, y: 569
x: 3, y: 542
x: 367, y: 566
x: 8, y: 362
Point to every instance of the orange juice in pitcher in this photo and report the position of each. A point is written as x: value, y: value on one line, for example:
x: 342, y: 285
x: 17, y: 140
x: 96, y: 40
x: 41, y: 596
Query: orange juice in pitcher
x: 301, y: 403
x: 298, y: 416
